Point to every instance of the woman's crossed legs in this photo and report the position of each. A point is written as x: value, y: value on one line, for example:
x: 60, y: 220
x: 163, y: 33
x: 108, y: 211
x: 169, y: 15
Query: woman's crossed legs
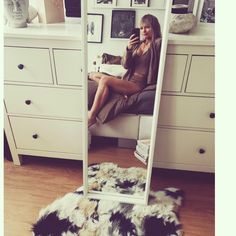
x: 105, y: 84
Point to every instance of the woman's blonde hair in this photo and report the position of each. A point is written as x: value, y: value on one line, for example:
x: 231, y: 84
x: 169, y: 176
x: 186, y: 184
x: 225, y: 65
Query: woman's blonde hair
x: 154, y: 23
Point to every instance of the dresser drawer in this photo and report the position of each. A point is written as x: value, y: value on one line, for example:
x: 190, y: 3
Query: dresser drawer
x: 184, y: 147
x: 68, y: 66
x: 30, y: 65
x: 47, y: 135
x: 53, y: 102
x: 201, y: 75
x: 174, y: 72
x: 186, y: 112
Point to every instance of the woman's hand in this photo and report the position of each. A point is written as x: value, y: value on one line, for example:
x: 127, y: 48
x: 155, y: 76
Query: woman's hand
x: 132, y: 41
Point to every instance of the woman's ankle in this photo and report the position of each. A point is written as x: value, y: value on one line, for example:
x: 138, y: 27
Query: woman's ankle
x: 92, y: 121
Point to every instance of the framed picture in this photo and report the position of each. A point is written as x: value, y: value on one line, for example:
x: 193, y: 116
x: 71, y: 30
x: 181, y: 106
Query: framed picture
x: 105, y: 3
x: 139, y: 3
x: 122, y: 23
x: 95, y: 28
x: 206, y: 12
x: 191, y: 5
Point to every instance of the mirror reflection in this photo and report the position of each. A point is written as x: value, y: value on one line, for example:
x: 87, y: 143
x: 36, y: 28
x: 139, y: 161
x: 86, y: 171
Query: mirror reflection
x: 121, y: 95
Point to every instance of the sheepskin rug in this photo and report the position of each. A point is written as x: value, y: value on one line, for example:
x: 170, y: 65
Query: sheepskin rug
x: 109, y: 177
x: 75, y: 214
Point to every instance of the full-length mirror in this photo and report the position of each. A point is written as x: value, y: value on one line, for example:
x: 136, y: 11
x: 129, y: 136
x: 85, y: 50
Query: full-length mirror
x: 126, y: 58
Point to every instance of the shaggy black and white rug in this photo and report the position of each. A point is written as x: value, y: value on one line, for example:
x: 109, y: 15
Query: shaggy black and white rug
x: 109, y: 177
x: 74, y: 214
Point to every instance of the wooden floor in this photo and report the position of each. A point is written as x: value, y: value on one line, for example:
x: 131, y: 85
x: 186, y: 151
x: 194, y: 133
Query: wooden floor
x: 99, y: 154
x: 39, y: 181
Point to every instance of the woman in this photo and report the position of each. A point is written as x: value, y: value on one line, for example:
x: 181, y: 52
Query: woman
x: 141, y: 60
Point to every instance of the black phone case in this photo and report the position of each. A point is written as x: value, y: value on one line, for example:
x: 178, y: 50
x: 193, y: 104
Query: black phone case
x: 136, y: 31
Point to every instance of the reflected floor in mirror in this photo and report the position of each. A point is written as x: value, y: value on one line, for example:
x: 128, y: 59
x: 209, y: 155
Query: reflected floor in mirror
x: 115, y: 170
x: 106, y: 150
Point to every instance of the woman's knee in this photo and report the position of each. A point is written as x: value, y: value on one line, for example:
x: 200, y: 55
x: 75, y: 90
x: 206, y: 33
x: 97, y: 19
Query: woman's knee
x: 104, y: 80
x: 102, y: 83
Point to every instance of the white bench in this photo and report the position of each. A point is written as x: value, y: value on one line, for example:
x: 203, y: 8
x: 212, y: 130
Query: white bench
x: 126, y: 127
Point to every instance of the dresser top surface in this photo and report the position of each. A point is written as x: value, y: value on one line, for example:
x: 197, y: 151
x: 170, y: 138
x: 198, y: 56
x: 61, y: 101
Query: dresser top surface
x: 72, y: 31
x: 200, y: 35
x: 60, y: 31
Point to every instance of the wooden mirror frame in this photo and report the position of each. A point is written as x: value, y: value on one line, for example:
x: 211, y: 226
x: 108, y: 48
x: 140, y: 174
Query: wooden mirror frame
x: 117, y: 196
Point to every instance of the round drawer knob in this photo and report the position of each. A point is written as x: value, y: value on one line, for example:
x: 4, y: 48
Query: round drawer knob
x: 201, y: 151
x: 20, y: 66
x: 35, y: 136
x: 212, y: 115
x: 27, y: 102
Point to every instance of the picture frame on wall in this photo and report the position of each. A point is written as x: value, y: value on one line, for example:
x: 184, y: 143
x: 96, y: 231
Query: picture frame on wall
x: 104, y: 3
x: 139, y: 3
x: 192, y: 5
x: 206, y: 12
x: 122, y: 23
x: 95, y: 28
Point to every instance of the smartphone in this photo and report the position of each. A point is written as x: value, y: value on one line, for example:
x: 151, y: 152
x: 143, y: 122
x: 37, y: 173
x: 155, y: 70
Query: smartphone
x: 136, y: 31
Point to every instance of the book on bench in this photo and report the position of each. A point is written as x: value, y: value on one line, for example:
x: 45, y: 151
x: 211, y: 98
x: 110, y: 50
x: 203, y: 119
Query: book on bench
x: 144, y: 161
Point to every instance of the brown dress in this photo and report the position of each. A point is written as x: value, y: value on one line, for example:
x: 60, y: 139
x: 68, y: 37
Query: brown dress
x: 140, y: 71
x: 152, y: 67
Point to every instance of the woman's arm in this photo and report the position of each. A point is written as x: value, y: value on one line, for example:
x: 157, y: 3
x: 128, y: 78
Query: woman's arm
x: 158, y: 43
x: 126, y: 61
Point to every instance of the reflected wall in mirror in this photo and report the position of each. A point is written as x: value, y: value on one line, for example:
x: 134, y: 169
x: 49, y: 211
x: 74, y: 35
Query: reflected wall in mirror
x: 124, y: 86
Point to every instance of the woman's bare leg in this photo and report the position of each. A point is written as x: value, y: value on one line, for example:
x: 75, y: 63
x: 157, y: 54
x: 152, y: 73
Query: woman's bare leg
x: 95, y: 76
x: 118, y: 85
x: 99, y: 100
x: 105, y: 83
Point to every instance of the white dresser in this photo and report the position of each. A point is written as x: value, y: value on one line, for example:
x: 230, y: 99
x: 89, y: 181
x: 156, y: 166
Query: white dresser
x: 44, y: 91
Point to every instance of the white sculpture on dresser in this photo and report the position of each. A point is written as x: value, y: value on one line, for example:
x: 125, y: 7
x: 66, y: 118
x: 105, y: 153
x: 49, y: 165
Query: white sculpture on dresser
x: 182, y: 23
x: 16, y: 13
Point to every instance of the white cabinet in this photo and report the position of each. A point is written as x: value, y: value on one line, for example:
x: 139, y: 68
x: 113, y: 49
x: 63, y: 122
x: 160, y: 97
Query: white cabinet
x: 44, y: 99
x: 44, y: 94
